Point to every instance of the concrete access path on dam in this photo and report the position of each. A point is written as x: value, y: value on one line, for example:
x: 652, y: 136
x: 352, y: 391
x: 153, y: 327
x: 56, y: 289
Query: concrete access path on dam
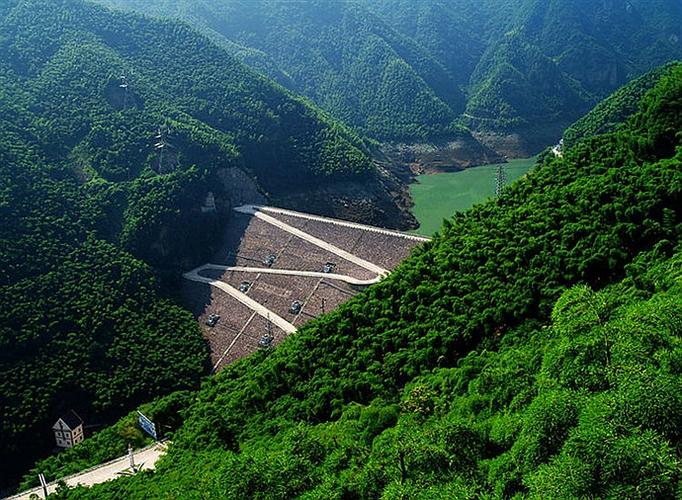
x: 262, y: 213
x: 259, y: 309
x: 252, y: 209
x: 277, y: 269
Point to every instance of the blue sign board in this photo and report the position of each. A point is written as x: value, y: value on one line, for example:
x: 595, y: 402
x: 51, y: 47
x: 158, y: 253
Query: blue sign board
x: 147, y: 425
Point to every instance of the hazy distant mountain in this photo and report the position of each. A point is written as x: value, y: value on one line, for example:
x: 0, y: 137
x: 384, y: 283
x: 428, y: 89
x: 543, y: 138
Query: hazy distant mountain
x: 409, y: 71
x: 340, y: 55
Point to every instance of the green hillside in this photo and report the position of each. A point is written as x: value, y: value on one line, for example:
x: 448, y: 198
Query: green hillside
x: 400, y: 70
x: 532, y: 348
x: 552, y: 60
x: 612, y: 111
x: 93, y: 213
x: 515, y: 84
x: 338, y: 54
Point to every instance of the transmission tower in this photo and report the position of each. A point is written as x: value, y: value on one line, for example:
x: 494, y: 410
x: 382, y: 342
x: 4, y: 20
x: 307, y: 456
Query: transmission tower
x: 266, y: 340
x: 126, y: 90
x: 500, y: 179
x: 162, y: 145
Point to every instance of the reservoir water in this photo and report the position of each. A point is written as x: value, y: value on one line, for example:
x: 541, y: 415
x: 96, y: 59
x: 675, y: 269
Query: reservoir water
x: 438, y: 196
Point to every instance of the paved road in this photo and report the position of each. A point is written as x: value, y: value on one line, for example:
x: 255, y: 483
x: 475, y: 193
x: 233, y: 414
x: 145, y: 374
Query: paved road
x: 288, y: 272
x: 248, y: 209
x: 251, y: 209
x: 145, y: 458
x: 263, y: 311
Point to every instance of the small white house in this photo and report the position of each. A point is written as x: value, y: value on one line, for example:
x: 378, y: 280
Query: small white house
x: 68, y: 430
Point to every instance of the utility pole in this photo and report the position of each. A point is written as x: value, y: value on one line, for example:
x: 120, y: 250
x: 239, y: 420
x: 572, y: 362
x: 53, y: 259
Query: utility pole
x: 131, y: 457
x: 323, y: 304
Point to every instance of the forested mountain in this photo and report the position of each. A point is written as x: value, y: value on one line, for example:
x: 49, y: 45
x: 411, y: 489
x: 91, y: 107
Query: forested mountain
x: 532, y: 348
x: 614, y: 110
x: 113, y: 130
x: 341, y: 56
x: 415, y: 71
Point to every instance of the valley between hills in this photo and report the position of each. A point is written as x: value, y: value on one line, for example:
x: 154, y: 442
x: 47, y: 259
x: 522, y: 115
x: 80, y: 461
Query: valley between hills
x: 341, y: 248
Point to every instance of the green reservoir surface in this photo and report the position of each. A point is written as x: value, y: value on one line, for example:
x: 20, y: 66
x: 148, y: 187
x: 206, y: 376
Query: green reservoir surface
x: 437, y: 196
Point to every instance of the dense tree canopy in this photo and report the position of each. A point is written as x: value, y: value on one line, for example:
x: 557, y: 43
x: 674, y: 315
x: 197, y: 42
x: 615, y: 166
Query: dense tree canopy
x: 414, y: 70
x: 532, y: 348
x: 442, y: 379
x: 612, y: 111
x: 93, y: 213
